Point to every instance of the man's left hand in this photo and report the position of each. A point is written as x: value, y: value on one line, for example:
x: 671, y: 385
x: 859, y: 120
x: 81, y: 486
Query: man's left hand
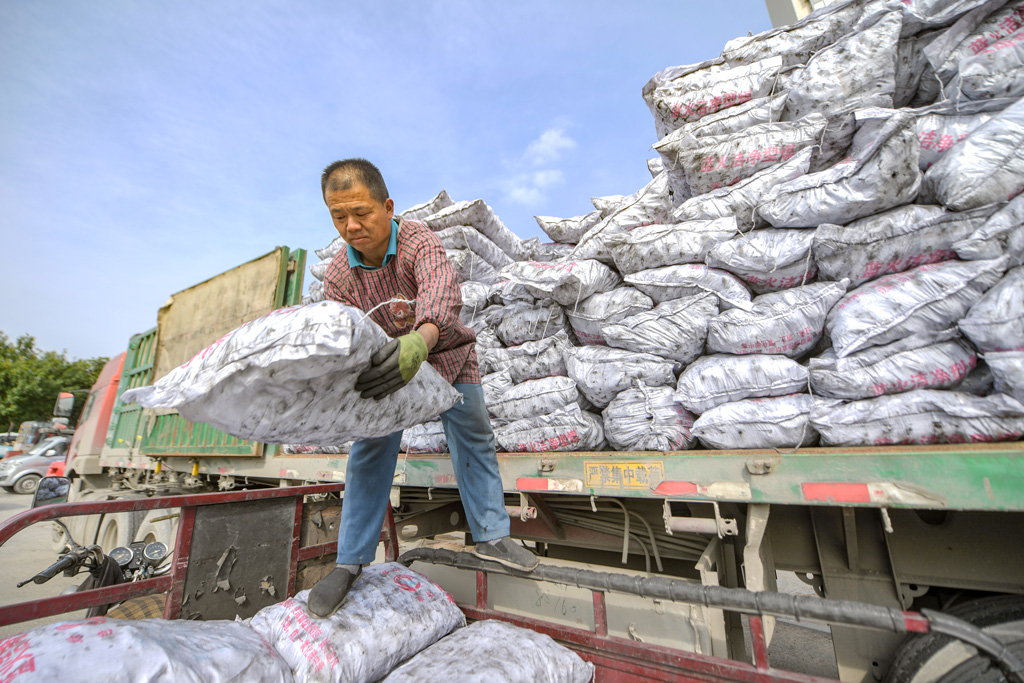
x: 393, y: 366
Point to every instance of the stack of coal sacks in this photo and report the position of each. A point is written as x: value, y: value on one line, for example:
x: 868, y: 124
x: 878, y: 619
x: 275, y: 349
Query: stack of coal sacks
x: 829, y: 251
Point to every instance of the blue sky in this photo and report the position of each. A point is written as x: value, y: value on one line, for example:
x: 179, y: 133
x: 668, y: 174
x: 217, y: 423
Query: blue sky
x: 145, y: 147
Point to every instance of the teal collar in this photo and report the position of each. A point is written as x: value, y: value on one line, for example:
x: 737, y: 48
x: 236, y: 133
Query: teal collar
x: 355, y: 259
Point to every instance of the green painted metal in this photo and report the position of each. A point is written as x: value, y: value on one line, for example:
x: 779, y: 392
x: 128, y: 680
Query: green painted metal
x: 123, y: 431
x: 294, y: 270
x: 172, y: 436
x: 956, y: 477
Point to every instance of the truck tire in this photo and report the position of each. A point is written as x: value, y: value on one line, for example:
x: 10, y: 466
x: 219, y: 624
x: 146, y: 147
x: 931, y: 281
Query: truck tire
x: 27, y: 484
x: 980, y: 669
x: 118, y: 529
x: 930, y: 656
x: 153, y: 528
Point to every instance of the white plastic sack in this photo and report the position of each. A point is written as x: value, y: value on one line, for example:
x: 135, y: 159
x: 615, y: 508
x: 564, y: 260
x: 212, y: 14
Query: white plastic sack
x: 996, y: 321
x: 675, y: 282
x: 493, y: 650
x: 787, y: 323
x: 920, y: 15
x: 734, y: 119
x: 567, y: 283
x: 985, y: 167
x: 610, y: 203
x: 480, y: 216
x: 741, y: 200
x: 931, y: 360
x: 795, y: 43
x: 711, y: 162
x: 155, y: 650
x: 535, y: 250
x: 567, y: 429
x: 360, y: 642
x: 305, y: 449
x: 675, y: 329
x: 922, y: 416
x: 705, y: 91
x: 930, y: 297
x: 937, y: 134
x: 767, y: 260
x: 289, y: 377
x: 421, y: 211
x: 535, y: 359
x: 505, y: 292
x: 428, y: 437
x: 568, y: 230
x: 996, y: 71
x: 713, y: 380
x: 1002, y: 234
x: 644, y: 418
x: 495, y: 385
x: 775, y: 422
x: 911, y: 65
x: 522, y: 322
x: 655, y: 166
x: 892, y: 241
x: 316, y: 293
x: 319, y: 269
x: 981, y: 28
x: 535, y: 397
x: 465, y: 237
x: 1008, y: 372
x: 593, y: 314
x: 474, y: 296
x: 877, y: 177
x: 471, y: 267
x: 653, y: 246
x: 651, y: 204
x: 601, y: 372
x: 328, y: 252
x: 858, y: 70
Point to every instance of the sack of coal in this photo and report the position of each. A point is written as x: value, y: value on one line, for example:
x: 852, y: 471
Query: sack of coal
x: 787, y: 323
x: 653, y: 246
x: 531, y: 360
x: 566, y: 429
x: 927, y: 360
x: 421, y: 211
x: 996, y: 321
x: 644, y: 418
x: 769, y: 260
x: 596, y: 312
x: 1003, y: 233
x: 674, y: 282
x: 534, y: 397
x: 492, y: 650
x: 720, y: 378
x: 567, y: 282
x: 893, y: 241
x: 675, y: 329
x: 929, y: 297
x: 289, y: 377
x: 774, y: 422
x: 568, y: 230
x: 601, y: 372
x: 921, y: 417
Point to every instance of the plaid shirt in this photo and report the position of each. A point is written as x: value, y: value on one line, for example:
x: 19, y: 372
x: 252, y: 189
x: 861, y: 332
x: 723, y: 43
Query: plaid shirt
x: 422, y: 272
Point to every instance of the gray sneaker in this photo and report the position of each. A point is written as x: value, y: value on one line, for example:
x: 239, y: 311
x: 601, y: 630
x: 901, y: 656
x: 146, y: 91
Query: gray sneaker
x: 507, y: 552
x: 328, y: 595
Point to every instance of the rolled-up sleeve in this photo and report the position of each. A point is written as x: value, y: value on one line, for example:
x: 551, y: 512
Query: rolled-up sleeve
x: 439, y: 299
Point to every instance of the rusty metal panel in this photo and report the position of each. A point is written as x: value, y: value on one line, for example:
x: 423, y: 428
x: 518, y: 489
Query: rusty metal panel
x: 239, y: 560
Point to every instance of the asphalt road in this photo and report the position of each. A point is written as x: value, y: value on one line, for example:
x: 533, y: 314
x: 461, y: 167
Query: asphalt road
x: 26, y: 554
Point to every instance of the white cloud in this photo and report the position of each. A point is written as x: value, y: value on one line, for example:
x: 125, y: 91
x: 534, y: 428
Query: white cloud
x: 530, y: 188
x: 548, y: 147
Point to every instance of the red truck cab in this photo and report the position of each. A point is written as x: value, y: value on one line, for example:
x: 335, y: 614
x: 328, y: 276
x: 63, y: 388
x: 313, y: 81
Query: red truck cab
x: 91, y: 432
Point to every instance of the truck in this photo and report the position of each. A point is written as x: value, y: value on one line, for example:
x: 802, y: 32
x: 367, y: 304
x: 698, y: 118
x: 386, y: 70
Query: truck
x: 902, y: 527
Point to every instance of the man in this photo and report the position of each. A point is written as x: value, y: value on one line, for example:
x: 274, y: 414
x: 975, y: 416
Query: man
x: 399, y: 272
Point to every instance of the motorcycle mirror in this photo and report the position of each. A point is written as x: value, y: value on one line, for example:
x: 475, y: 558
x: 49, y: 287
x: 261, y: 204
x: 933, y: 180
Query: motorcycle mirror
x: 51, y: 490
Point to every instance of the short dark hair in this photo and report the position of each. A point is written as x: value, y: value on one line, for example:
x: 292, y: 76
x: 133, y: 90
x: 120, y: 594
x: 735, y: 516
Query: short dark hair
x: 362, y: 170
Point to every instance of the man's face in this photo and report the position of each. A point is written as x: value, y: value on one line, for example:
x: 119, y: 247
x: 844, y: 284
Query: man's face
x: 361, y: 220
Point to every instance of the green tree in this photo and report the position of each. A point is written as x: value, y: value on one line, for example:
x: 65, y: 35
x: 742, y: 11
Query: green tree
x: 31, y: 378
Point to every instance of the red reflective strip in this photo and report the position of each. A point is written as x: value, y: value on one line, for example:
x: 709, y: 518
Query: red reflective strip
x: 675, y: 488
x: 532, y: 484
x: 837, y: 493
x: 916, y: 623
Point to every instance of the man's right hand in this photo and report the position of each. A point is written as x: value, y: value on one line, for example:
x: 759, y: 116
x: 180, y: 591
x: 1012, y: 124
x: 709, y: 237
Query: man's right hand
x: 393, y: 366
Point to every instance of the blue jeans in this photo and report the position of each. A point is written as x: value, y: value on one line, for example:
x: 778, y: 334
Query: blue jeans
x: 371, y: 470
